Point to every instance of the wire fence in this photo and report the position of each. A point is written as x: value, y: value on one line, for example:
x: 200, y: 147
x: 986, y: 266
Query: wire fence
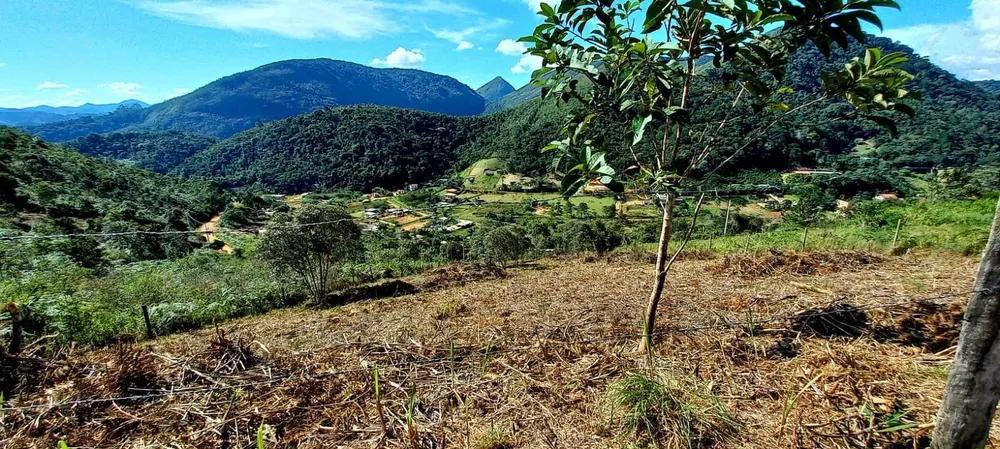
x: 459, y: 355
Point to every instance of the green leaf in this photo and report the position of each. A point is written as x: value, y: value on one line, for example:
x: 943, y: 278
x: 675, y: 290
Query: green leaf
x: 547, y: 10
x: 885, y: 122
x: 572, y: 183
x: 260, y: 436
x: 639, y: 127
x: 656, y: 14
x: 776, y: 18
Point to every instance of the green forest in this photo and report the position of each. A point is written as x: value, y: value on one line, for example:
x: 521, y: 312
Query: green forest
x: 50, y: 189
x: 160, y: 151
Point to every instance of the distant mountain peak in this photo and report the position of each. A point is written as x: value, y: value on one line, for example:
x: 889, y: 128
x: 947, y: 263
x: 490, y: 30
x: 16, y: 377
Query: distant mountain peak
x: 283, y: 89
x: 496, y: 89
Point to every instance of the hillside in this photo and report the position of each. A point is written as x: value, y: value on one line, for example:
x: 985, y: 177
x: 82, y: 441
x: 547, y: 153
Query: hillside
x: 38, y: 115
x: 357, y: 147
x: 160, y: 151
x: 494, y: 91
x: 956, y: 125
x: 525, y: 94
x: 539, y: 358
x: 44, y: 185
x: 280, y: 90
x: 991, y: 86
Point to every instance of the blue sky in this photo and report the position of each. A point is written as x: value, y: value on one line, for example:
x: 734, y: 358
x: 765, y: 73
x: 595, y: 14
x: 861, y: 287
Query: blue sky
x: 68, y: 52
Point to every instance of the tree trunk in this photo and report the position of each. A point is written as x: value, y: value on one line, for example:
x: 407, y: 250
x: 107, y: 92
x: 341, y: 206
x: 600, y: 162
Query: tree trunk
x: 970, y: 398
x: 662, y: 256
x: 16, y: 330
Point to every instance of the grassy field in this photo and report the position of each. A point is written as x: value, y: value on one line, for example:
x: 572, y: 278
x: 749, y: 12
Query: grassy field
x: 483, y: 182
x: 540, y: 358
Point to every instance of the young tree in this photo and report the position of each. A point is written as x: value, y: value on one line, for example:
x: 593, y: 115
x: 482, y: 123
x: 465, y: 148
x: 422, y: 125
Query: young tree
x: 311, y: 242
x: 638, y: 62
x: 503, y: 244
x: 813, y: 201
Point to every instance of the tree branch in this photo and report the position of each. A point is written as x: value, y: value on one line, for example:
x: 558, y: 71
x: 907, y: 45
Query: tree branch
x: 687, y: 236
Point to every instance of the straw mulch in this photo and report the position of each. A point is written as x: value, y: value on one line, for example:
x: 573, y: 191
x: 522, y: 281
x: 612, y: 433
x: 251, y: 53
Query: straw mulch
x: 753, y: 266
x: 527, y: 361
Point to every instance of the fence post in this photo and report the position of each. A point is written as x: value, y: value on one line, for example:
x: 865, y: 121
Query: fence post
x: 711, y: 237
x: 149, y: 324
x: 16, y: 329
x: 805, y: 235
x: 895, y: 237
x: 725, y: 229
x: 971, y: 395
x: 746, y: 247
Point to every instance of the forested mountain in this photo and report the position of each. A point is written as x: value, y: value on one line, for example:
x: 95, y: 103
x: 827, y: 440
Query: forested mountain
x: 160, y: 151
x: 356, y: 147
x: 991, y: 86
x: 956, y: 124
x: 523, y: 95
x: 280, y: 90
x: 49, y: 188
x: 38, y: 115
x: 494, y: 91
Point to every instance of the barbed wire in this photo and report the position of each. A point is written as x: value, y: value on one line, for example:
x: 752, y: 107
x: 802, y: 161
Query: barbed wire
x: 489, y: 351
x: 169, y: 233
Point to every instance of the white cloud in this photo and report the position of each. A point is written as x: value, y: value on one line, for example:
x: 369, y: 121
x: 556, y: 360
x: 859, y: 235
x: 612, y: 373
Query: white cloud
x: 527, y: 64
x: 177, y: 92
x: 124, y: 89
x: 49, y: 85
x: 510, y: 47
x: 301, y: 19
x: 463, y: 37
x: 970, y: 49
x: 401, y: 58
x: 536, y: 5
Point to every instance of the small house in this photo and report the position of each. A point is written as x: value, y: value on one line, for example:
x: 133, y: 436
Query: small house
x: 412, y: 187
x: 886, y: 197
x: 596, y: 187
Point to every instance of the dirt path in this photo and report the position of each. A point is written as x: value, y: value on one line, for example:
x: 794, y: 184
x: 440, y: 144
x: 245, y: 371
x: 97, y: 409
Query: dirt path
x: 209, y: 229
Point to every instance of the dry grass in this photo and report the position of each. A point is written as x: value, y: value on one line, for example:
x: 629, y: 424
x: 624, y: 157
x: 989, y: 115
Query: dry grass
x: 754, y: 266
x: 535, y: 358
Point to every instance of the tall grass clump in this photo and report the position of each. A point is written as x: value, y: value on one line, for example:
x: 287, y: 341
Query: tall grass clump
x: 665, y: 411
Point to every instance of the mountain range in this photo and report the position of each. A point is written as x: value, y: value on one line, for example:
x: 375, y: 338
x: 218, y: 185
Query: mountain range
x: 280, y: 129
x: 280, y: 90
x: 38, y: 115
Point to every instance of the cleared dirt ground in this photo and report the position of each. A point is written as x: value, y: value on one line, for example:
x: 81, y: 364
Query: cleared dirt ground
x: 528, y: 361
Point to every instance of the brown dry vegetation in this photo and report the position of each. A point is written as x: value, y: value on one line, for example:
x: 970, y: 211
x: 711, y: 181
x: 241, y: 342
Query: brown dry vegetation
x: 536, y: 356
